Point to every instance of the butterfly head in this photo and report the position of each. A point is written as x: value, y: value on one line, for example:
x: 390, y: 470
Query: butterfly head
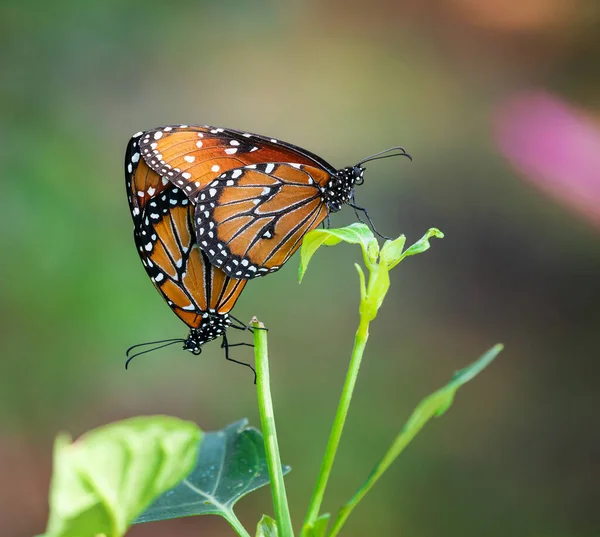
x: 340, y: 188
x: 213, y: 325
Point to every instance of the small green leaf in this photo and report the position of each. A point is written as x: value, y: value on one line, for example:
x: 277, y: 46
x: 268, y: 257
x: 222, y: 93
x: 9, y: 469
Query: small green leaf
x: 421, y: 245
x: 319, y: 528
x: 434, y: 405
x: 267, y: 527
x: 353, y: 234
x: 391, y: 251
x: 106, y: 478
x: 439, y: 402
x: 231, y: 464
x: 363, y: 285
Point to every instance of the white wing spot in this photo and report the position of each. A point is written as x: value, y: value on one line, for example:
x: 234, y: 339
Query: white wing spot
x: 199, y: 143
x: 189, y: 158
x: 234, y: 142
x: 151, y: 191
x: 215, y: 168
x: 186, y: 175
x: 231, y: 151
x: 148, y: 246
x: 129, y: 167
x: 236, y: 173
x: 167, y: 129
x: 212, y: 192
x: 141, y: 193
x: 270, y: 167
x: 157, y: 135
x: 273, y: 140
x: 135, y: 157
x: 158, y: 277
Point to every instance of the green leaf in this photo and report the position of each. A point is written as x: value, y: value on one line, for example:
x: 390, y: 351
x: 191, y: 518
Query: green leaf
x: 231, y: 464
x: 353, y: 234
x: 319, y: 528
x: 363, y: 285
x: 432, y: 406
x: 267, y: 527
x: 391, y: 251
x: 421, y: 245
x: 439, y: 402
x: 105, y: 479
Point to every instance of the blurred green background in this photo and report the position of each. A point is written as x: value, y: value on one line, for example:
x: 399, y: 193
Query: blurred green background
x: 519, y: 452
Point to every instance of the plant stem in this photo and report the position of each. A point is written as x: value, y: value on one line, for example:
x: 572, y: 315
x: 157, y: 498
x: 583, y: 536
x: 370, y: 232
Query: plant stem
x: 236, y: 524
x: 267, y: 420
x: 360, y: 341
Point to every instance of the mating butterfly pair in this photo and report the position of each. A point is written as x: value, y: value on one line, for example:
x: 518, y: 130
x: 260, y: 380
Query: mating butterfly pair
x: 213, y: 208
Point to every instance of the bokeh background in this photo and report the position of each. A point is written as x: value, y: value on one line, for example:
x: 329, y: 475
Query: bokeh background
x: 498, y: 102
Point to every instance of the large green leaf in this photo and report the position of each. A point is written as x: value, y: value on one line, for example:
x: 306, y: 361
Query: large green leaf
x: 231, y: 464
x: 105, y: 479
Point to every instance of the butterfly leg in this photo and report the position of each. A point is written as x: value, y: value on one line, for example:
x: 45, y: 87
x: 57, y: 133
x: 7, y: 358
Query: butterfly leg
x: 364, y: 211
x: 225, y: 345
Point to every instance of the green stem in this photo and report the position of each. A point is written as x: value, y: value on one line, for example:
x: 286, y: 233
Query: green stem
x: 360, y: 341
x: 267, y: 420
x: 236, y: 524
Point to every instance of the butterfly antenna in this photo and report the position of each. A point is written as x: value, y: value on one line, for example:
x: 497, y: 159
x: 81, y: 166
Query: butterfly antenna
x: 382, y: 154
x: 371, y: 224
x: 169, y: 342
x: 151, y: 343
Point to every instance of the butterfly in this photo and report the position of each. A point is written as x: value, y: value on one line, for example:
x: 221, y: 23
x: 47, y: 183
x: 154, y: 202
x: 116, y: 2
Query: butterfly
x: 255, y: 197
x: 199, y: 293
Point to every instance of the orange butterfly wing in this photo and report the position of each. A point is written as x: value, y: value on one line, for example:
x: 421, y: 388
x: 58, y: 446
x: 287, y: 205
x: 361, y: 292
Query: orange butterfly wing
x: 166, y: 243
x: 192, y: 156
x: 250, y: 220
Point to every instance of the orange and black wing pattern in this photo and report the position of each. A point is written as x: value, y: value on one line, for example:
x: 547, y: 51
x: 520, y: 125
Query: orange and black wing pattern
x: 165, y: 238
x: 192, y: 156
x: 250, y: 220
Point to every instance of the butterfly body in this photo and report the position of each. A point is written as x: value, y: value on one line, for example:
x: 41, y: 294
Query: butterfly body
x: 213, y: 326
